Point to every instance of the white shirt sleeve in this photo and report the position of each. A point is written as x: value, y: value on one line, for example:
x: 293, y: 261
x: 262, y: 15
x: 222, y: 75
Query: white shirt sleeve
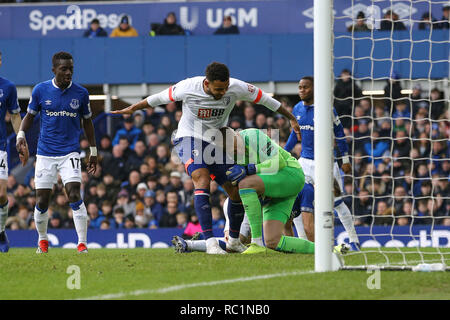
x: 254, y: 94
x: 171, y: 94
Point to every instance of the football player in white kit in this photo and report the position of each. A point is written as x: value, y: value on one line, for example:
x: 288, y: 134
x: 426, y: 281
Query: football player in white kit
x: 63, y: 106
x: 8, y: 102
x: 207, y: 103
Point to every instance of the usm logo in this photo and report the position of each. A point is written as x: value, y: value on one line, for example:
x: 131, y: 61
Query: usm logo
x: 204, y: 113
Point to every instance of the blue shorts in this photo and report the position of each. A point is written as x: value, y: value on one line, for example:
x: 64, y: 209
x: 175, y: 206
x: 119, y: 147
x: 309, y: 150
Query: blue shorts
x: 304, y: 201
x: 196, y: 154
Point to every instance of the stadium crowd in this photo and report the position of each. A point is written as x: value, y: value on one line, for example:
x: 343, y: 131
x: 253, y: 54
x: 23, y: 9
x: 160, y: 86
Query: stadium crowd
x: 400, y: 150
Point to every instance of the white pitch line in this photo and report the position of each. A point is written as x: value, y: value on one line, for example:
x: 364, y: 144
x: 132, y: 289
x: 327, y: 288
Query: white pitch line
x: 193, y: 285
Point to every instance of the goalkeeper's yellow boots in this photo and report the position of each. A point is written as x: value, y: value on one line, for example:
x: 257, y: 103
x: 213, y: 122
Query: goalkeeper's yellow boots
x: 253, y: 248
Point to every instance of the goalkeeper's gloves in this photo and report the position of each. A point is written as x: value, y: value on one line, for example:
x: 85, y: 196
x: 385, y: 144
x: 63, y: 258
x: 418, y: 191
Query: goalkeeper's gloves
x: 237, y: 172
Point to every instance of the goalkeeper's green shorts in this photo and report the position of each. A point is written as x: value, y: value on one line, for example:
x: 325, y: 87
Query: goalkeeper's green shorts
x: 283, y: 188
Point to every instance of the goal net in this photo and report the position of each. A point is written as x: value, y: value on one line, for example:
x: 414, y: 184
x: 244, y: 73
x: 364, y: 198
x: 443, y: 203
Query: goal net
x: 391, y: 65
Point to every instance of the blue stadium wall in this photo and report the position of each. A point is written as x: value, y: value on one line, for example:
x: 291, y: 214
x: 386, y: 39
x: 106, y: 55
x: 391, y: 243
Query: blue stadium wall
x: 257, y: 58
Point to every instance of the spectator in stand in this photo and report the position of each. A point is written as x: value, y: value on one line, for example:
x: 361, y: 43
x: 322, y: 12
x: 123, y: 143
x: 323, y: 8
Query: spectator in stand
x: 105, y: 147
x: 141, y: 219
x: 418, y: 101
x: 152, y: 207
x: 175, y: 184
x: 105, y: 225
x: 129, y: 131
x: 192, y: 227
x: 401, y: 110
x: 25, y: 215
x: 377, y: 148
x: 401, y: 145
x: 170, y: 26
x: 391, y: 21
x: 345, y: 91
x: 235, y: 123
x: 218, y: 221
x: 112, y: 186
x: 392, y: 91
x: 124, y: 202
x: 227, y: 27
x: 107, y: 210
x: 163, y: 154
x: 152, y: 143
x: 403, y: 218
x: 95, y: 30
x: 422, y: 213
x: 132, y: 184
x: 55, y: 221
x: 137, y: 157
x: 169, y: 219
x: 428, y: 22
x: 141, y: 189
x: 129, y: 222
x: 61, y: 205
x: 95, y: 216
x: 115, y: 164
x: 437, y: 101
x: 119, y: 218
x: 384, y: 214
x: 124, y: 29
x: 249, y: 116
x: 360, y: 24
x: 260, y: 122
x: 182, y: 220
x: 187, y: 194
x: 445, y: 21
x: 363, y: 208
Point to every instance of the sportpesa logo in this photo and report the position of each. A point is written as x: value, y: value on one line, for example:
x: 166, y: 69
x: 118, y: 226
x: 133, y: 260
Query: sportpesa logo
x: 60, y: 114
x: 307, y: 127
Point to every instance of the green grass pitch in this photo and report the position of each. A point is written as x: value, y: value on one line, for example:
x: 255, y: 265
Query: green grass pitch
x: 161, y: 274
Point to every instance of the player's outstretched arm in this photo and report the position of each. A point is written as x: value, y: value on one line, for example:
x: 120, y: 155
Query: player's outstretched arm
x: 134, y: 107
x: 21, y: 142
x: 90, y: 134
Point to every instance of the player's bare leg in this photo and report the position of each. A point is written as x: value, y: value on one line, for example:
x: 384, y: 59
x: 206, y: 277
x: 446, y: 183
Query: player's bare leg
x: 80, y: 216
x: 308, y: 225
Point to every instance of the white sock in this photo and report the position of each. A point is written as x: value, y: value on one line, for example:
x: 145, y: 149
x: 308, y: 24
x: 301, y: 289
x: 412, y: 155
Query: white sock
x: 298, y: 222
x: 80, y: 219
x: 347, y: 221
x: 41, y: 222
x: 196, y: 245
x: 258, y: 241
x: 3, y: 216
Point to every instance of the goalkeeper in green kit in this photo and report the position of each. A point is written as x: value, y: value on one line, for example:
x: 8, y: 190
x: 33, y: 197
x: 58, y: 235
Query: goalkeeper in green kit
x: 265, y: 170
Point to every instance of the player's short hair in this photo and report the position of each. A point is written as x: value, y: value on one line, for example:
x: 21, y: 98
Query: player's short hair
x: 217, y: 71
x: 62, y: 55
x: 310, y: 78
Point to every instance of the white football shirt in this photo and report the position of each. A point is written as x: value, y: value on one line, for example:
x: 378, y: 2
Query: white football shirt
x: 201, y: 111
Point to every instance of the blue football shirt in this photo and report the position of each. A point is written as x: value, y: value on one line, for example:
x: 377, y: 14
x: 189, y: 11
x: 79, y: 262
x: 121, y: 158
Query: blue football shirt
x: 61, y: 112
x: 305, y: 118
x: 8, y: 102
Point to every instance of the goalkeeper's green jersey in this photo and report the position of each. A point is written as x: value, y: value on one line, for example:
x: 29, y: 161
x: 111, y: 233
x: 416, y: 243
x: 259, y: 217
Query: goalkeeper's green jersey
x: 262, y: 151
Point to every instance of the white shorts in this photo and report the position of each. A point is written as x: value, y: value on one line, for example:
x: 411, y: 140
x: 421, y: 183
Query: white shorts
x: 48, y: 168
x: 3, y: 165
x: 308, y: 170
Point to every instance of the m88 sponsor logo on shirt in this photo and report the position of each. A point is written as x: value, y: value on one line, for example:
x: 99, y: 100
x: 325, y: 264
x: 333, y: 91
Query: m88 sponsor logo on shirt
x: 205, y: 113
